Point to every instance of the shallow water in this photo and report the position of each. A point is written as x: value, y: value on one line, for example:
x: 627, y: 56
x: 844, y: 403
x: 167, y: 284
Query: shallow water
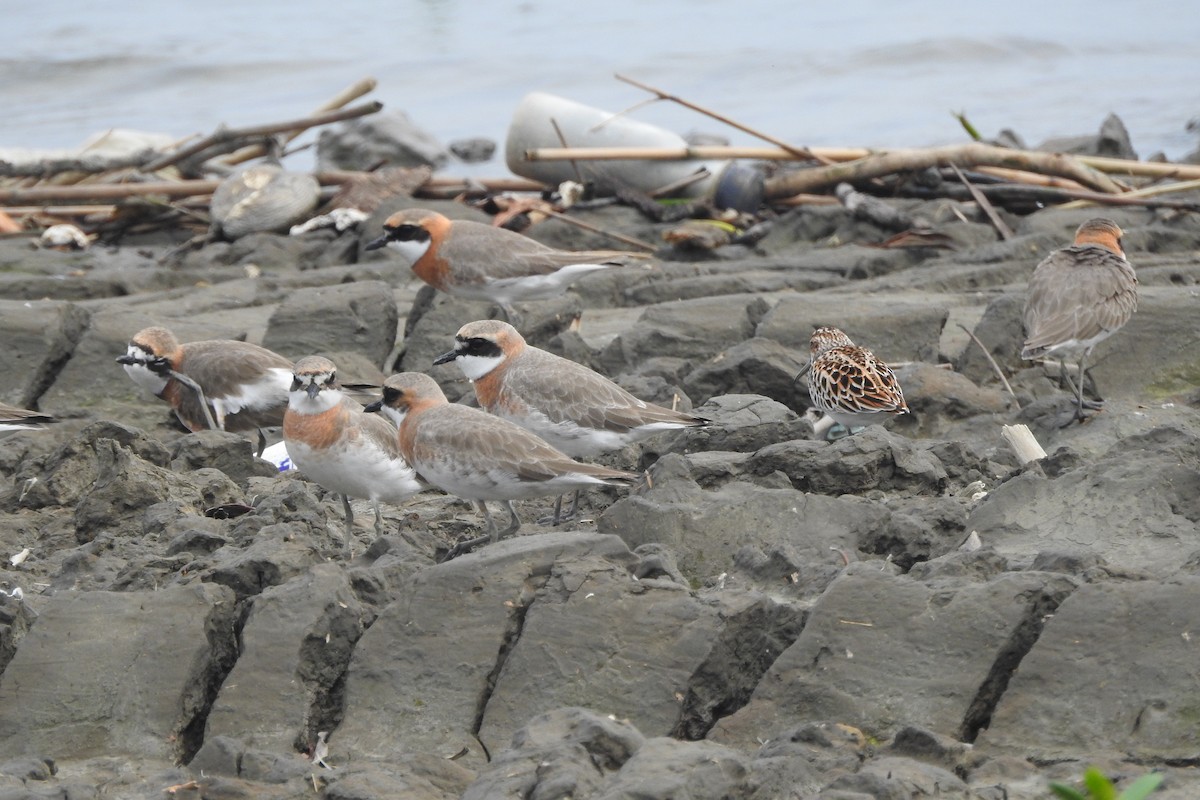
x: 869, y: 73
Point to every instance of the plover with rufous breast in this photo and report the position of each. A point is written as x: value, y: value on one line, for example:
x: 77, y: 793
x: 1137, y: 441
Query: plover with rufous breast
x: 481, y: 262
x: 478, y: 456
x: 339, y: 447
x: 1078, y: 297
x: 574, y: 408
x: 220, y: 383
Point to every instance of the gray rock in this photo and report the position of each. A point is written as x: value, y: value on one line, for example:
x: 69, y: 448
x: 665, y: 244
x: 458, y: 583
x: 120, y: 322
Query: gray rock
x: 837, y: 670
x: 1146, y: 485
x: 707, y: 530
x: 689, y: 329
x: 230, y: 453
x: 295, y: 644
x: 1112, y: 141
x: 874, y: 459
x: 420, y: 677
x: 39, y: 338
x: 260, y: 198
x: 1003, y: 334
x: 388, y: 139
x: 894, y: 327
x: 139, y: 693
x: 740, y: 423
x: 473, y: 151
x: 418, y: 776
x: 755, y: 366
x: 16, y: 617
x: 359, y: 316
x: 668, y: 768
x: 1113, y: 698
x: 566, y: 752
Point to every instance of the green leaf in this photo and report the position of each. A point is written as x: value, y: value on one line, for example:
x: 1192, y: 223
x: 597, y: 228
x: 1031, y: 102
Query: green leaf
x: 1099, y: 787
x: 1067, y: 792
x: 1142, y: 786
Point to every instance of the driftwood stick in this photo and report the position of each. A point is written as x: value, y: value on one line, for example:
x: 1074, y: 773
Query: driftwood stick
x: 1137, y: 196
x: 980, y: 198
x: 103, y: 192
x: 1010, y: 193
x: 226, y: 134
x: 1145, y: 169
x: 620, y: 237
x: 798, y: 152
x: 1023, y: 443
x: 339, y: 100
x: 968, y: 155
x: 992, y: 361
x: 1029, y: 178
x: 85, y: 162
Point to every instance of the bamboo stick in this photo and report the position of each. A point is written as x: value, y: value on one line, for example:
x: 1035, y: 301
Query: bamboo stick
x: 798, y: 152
x: 35, y: 195
x: 1132, y: 197
x: 1144, y: 169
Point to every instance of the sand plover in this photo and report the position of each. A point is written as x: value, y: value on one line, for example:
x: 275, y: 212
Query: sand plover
x: 13, y: 418
x: 342, y: 449
x: 477, y: 456
x: 481, y: 262
x: 575, y: 409
x: 1079, y: 296
x: 222, y: 383
x: 849, y: 383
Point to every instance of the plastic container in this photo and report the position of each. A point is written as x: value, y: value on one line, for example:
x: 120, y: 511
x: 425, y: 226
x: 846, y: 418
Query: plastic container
x: 533, y: 127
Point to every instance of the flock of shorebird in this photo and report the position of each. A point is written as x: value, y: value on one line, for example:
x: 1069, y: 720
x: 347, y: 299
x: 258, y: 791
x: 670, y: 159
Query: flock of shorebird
x: 539, y: 413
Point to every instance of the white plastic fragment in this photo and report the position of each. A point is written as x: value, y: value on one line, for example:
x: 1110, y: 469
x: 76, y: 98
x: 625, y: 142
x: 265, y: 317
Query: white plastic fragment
x: 339, y: 219
x: 20, y: 557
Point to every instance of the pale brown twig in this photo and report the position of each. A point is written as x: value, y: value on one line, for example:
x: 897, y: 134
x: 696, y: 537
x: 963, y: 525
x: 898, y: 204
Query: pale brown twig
x: 992, y: 361
x: 980, y: 198
x: 798, y: 152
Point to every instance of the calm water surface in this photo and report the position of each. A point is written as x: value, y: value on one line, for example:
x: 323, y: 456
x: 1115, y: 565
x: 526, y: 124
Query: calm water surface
x: 870, y: 73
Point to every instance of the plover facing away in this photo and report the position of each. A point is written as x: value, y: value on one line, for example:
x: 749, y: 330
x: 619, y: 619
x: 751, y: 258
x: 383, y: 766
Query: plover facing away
x: 849, y: 383
x: 1078, y: 297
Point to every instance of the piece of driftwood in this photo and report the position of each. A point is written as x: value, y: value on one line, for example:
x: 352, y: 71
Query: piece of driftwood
x: 980, y: 198
x: 223, y: 135
x: 798, y: 152
x: 338, y: 101
x: 1115, y: 166
x: 967, y: 155
x: 872, y: 209
x: 1023, y: 443
x: 103, y: 192
x: 86, y: 163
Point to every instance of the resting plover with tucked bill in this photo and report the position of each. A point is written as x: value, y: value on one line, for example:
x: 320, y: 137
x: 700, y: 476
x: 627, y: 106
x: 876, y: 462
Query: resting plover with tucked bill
x: 478, y: 456
x: 13, y: 418
x: 336, y: 445
x: 848, y: 383
x: 574, y: 408
x: 1078, y: 297
x: 219, y: 383
x: 481, y: 262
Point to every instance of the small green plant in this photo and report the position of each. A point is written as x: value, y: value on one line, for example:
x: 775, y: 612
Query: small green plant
x: 1099, y: 787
